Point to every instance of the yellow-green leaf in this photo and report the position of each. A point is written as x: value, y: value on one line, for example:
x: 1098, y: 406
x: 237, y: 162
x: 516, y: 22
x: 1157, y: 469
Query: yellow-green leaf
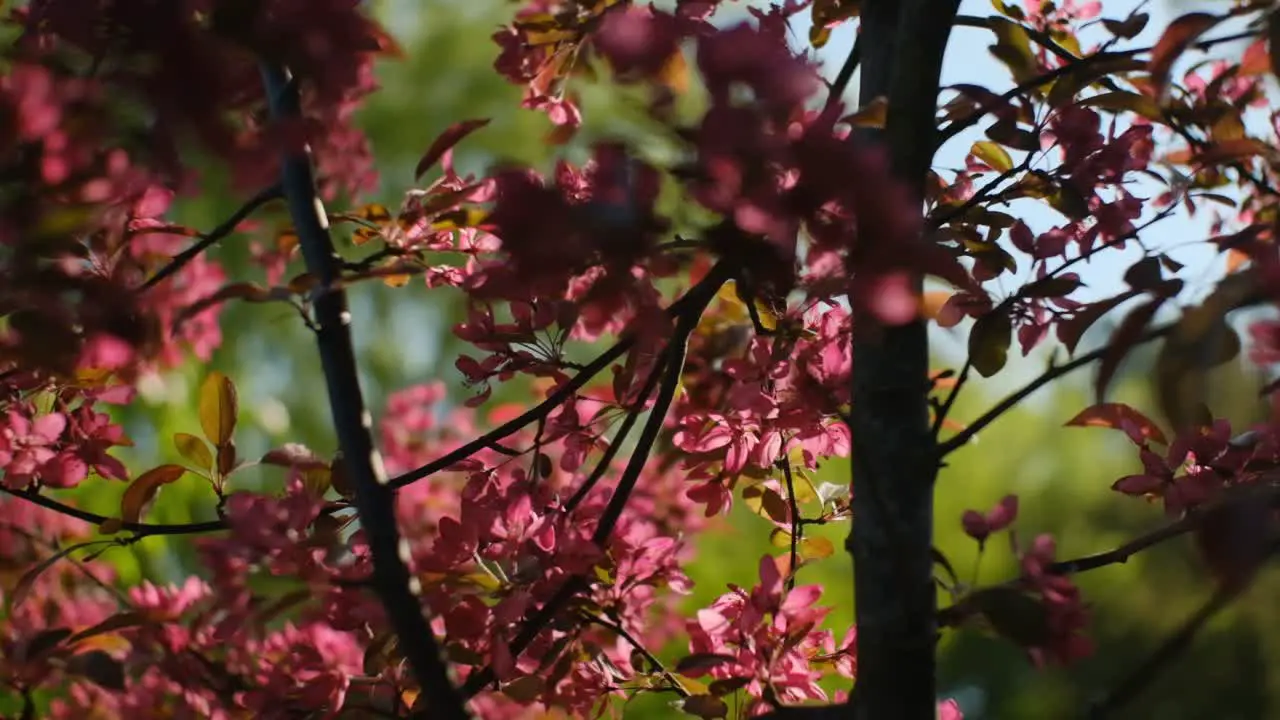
x: 1120, y: 100
x: 195, y: 450
x: 143, y: 490
x: 993, y: 155
x: 218, y: 408
x: 1013, y: 48
x: 816, y: 548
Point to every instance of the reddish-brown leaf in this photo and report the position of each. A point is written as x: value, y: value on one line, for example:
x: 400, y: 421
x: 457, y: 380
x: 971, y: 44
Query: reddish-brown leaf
x: 142, y: 490
x: 1072, y: 330
x: 293, y: 455
x: 1113, y: 415
x: 450, y: 137
x: 1179, y: 36
x: 699, y: 663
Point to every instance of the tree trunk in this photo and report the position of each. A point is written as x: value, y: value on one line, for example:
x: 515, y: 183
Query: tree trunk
x: 894, y: 456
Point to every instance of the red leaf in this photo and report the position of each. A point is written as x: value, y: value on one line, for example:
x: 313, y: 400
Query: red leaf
x: 1179, y: 36
x: 445, y: 142
x: 1114, y: 415
x: 1071, y: 331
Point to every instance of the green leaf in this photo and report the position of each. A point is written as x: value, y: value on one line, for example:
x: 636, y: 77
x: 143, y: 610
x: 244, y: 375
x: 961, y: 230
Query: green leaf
x: 989, y: 342
x: 195, y: 450
x: 1013, y: 48
x: 1014, y: 615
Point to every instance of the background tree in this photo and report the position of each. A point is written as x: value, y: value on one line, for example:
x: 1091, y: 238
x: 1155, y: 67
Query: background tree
x: 551, y: 554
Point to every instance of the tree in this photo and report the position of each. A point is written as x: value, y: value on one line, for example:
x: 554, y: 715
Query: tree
x: 767, y: 287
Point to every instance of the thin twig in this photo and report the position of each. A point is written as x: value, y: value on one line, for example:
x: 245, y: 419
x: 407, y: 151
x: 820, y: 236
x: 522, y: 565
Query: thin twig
x: 945, y: 409
x: 650, y: 657
x: 606, y: 460
x: 1053, y: 373
x: 140, y: 529
x: 1122, y: 554
x: 797, y: 528
x: 226, y: 228
x: 542, y: 409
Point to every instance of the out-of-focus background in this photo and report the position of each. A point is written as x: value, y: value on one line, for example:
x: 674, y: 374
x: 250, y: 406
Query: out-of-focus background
x: 1062, y: 475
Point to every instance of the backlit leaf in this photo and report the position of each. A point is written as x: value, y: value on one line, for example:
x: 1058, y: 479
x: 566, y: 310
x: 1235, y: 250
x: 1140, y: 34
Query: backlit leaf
x: 1121, y: 101
x: 143, y: 490
x: 993, y: 155
x: 1113, y: 415
x: 1013, y: 48
x: 442, y: 144
x: 816, y: 548
x: 218, y: 408
x: 1177, y: 37
x: 195, y: 450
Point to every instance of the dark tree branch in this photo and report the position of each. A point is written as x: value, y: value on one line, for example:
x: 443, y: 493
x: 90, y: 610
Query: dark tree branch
x: 1054, y: 372
x: 797, y: 527
x: 1170, y: 649
x: 213, y: 236
x: 845, y: 75
x: 375, y: 498
x: 692, y: 305
x: 620, y: 437
x: 541, y: 410
x: 140, y: 529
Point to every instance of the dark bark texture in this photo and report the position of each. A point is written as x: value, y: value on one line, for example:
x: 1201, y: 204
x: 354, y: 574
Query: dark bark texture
x: 375, y: 498
x: 895, y: 455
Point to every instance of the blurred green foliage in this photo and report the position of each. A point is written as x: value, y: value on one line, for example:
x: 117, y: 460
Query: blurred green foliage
x: 1062, y: 475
